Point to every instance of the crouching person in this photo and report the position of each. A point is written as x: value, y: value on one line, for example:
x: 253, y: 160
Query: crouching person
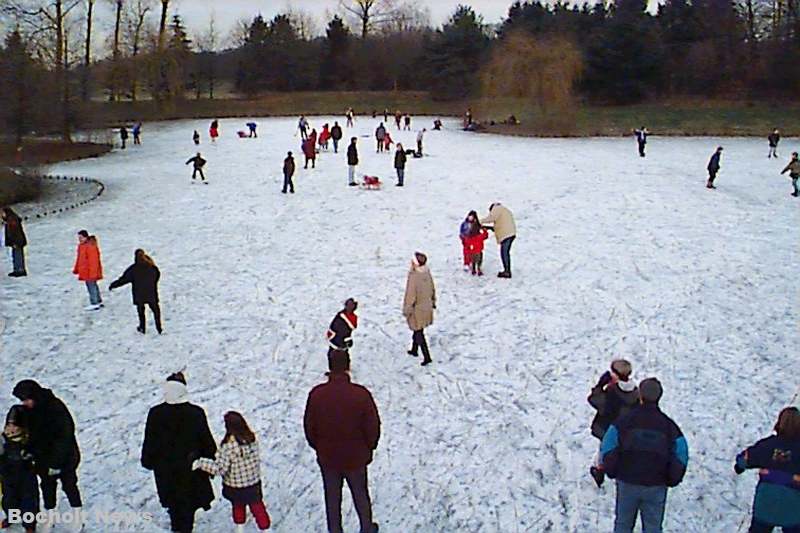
x: 777, y: 500
x: 20, y: 491
x: 239, y: 464
x: 646, y: 453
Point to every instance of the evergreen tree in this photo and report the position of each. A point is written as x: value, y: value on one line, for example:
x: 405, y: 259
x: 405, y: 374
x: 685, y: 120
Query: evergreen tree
x: 19, y: 98
x: 336, y: 71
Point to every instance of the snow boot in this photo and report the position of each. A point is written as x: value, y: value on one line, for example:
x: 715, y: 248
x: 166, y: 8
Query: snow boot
x: 412, y: 353
x: 140, y: 330
x: 504, y: 274
x: 598, y: 475
x: 426, y: 362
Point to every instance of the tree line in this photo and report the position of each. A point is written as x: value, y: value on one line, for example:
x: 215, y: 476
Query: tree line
x: 616, y: 52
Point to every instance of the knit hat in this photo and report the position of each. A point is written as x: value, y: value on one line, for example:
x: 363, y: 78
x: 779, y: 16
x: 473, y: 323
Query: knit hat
x: 17, y: 415
x: 339, y: 361
x: 27, y: 389
x: 650, y: 390
x: 177, y: 376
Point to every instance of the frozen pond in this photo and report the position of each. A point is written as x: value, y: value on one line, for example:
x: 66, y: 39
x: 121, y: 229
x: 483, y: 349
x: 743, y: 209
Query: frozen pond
x: 615, y: 256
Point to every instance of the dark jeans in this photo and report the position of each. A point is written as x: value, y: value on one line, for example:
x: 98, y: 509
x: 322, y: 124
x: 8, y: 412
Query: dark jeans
x: 641, y: 149
x: 418, y: 341
x: 419, y: 147
x: 181, y: 518
x: 357, y: 481
x: 712, y: 175
x: 200, y: 170
x: 69, y: 484
x: 401, y: 175
x: 336, y: 146
x: 156, y: 310
x: 761, y: 527
x: 505, y: 252
x: 794, y: 186
x: 634, y: 499
x: 18, y: 257
x: 288, y: 183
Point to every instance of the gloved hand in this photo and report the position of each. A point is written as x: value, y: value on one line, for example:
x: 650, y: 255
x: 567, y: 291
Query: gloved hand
x: 738, y: 469
x: 53, y: 472
x: 605, y: 379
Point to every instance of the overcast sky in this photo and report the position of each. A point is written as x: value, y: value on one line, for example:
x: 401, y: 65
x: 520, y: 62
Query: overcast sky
x: 227, y: 12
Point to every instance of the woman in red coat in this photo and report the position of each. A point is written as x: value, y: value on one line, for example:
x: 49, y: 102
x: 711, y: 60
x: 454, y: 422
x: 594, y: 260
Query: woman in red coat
x: 324, y: 136
x: 89, y: 268
x: 310, y: 149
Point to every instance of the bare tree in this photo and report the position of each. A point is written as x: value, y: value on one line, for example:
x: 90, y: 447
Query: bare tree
x: 87, y: 57
x: 207, y: 43
x: 369, y: 13
x: 135, y: 24
x: 304, y: 23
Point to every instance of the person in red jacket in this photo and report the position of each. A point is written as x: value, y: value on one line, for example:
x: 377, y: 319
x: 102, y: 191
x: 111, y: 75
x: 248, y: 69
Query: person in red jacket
x: 342, y: 424
x: 89, y: 268
x: 324, y: 135
x: 473, y: 245
x: 310, y: 150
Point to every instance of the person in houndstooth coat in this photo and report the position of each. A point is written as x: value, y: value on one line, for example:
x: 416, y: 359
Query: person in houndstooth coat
x: 239, y: 464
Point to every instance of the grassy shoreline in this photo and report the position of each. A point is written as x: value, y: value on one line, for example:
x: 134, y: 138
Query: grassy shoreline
x: 688, y: 117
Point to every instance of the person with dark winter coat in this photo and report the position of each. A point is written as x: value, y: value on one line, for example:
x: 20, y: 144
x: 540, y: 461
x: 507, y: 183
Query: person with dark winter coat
x: 288, y: 173
x: 175, y: 435
x: 614, y: 396
x: 793, y: 168
x: 196, y: 138
x: 340, y: 332
x: 380, y: 136
x: 773, y: 138
x: 14, y: 238
x: 400, y: 159
x: 123, y: 135
x: 197, y: 166
x: 398, y: 119
x: 336, y: 135
x: 646, y: 452
x: 342, y: 425
x: 239, y: 463
x: 143, y: 275
x: 713, y: 167
x: 641, y: 139
x: 52, y: 443
x: 407, y: 122
x: 352, y: 162
x: 252, y: 127
x: 137, y: 133
x: 17, y: 474
x: 419, y: 303
x: 310, y: 150
x: 777, y: 499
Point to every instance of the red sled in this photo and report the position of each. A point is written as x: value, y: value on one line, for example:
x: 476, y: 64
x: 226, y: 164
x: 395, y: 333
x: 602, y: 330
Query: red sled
x: 241, y: 134
x: 372, y: 183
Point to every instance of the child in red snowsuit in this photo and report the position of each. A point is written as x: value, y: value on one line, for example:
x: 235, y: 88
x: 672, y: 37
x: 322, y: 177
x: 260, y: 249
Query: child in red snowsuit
x: 468, y: 227
x: 473, y: 244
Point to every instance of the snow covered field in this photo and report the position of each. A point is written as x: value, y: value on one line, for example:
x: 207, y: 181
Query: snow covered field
x: 615, y: 256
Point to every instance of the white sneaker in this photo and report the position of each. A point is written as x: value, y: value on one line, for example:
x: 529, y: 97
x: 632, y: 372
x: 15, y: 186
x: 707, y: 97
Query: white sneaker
x: 239, y: 528
x: 92, y: 307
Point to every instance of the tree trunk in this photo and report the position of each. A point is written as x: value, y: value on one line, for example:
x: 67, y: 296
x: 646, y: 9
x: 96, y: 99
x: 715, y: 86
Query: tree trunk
x: 61, y: 81
x: 162, y: 26
x: 87, y: 59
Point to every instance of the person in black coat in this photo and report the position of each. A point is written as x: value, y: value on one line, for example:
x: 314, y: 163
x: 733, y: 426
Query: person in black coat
x: 175, y: 435
x: 713, y: 167
x: 352, y: 162
x: 641, y: 139
x: 16, y: 240
x: 52, y: 442
x: 400, y: 158
x: 340, y: 332
x: 123, y: 135
x: 197, y: 166
x: 773, y: 138
x: 20, y: 491
x: 336, y: 135
x: 288, y: 172
x: 143, y: 275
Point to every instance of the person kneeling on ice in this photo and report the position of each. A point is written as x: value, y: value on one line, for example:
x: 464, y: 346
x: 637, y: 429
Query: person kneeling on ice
x: 197, y: 166
x: 342, y: 426
x: 793, y: 168
x: 713, y: 167
x: 89, y: 268
x: 418, y: 305
x: 177, y: 433
x: 340, y: 332
x: 20, y: 490
x: 239, y: 463
x: 474, y: 247
x: 54, y: 447
x: 646, y: 452
x: 143, y: 275
x: 777, y: 499
x: 613, y: 396
x: 505, y: 231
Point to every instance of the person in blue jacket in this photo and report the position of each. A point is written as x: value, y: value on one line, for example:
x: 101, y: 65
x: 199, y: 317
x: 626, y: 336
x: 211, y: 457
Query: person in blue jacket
x: 646, y: 452
x: 777, y: 499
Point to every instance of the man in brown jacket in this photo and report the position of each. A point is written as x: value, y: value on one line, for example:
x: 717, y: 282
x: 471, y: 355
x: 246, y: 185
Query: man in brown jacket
x: 342, y: 424
x: 418, y: 305
x: 793, y: 168
x: 505, y: 231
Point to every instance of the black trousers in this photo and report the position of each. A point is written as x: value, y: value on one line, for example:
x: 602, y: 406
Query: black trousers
x: 200, y: 170
x: 156, y: 310
x: 181, y: 518
x: 288, y: 183
x: 418, y: 341
x: 641, y: 149
x: 69, y: 484
x: 332, y: 481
